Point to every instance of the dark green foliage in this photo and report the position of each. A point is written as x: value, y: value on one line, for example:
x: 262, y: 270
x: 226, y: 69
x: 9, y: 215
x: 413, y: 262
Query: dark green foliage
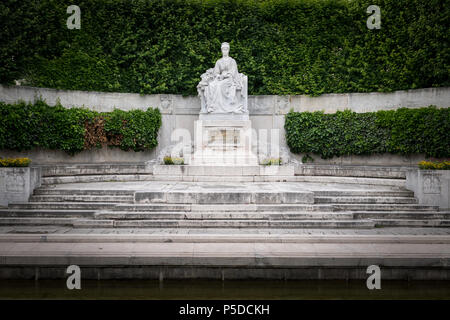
x: 284, y: 46
x: 403, y: 131
x: 424, y: 130
x: 138, y: 129
x: 23, y: 126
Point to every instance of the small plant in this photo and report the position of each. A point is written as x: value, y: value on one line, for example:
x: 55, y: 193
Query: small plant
x: 307, y: 158
x: 271, y: 162
x: 15, y: 162
x: 178, y: 161
x: 169, y: 160
x: 437, y: 165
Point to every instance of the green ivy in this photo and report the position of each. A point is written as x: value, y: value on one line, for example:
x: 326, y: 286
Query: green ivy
x: 138, y: 129
x: 403, y: 131
x: 284, y: 46
x: 24, y: 126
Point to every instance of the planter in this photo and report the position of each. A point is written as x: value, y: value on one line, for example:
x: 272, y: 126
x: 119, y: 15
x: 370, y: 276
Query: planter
x: 18, y: 183
x: 431, y: 187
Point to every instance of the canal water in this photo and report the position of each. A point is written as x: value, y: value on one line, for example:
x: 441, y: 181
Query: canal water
x: 227, y: 290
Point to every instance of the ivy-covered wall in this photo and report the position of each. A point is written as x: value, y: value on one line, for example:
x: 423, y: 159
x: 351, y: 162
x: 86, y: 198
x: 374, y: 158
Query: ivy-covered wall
x: 284, y: 46
x: 24, y: 126
x: 402, y: 131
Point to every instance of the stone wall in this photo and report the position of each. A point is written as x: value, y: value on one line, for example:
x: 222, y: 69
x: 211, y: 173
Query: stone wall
x: 178, y: 112
x: 17, y: 184
x: 431, y: 187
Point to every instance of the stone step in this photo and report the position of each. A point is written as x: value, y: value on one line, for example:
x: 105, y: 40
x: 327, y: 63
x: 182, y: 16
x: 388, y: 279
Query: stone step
x: 281, y: 178
x: 223, y: 207
x: 94, y: 192
x: 411, y: 215
x: 80, y: 223
x: 225, y: 197
x: 383, y: 207
x: 352, y: 180
x: 239, y: 215
x: 351, y: 171
x: 81, y: 198
x: 95, y: 169
x: 296, y: 215
x: 233, y: 235
x: 45, y: 213
x: 37, y: 221
x: 362, y: 193
x: 96, y: 178
x: 220, y: 207
x: 225, y: 261
x: 324, y: 193
x: 63, y: 205
x: 222, y: 170
x: 223, y: 223
x: 365, y: 199
x: 437, y: 223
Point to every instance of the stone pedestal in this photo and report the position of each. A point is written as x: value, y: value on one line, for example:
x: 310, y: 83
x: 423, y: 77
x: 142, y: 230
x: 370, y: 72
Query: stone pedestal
x: 431, y: 187
x: 18, y: 183
x: 223, y: 139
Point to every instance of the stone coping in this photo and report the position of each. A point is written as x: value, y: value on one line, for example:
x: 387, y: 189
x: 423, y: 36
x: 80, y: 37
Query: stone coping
x: 223, y: 170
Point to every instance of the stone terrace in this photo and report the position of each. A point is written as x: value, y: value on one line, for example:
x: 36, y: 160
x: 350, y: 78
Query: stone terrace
x: 129, y: 221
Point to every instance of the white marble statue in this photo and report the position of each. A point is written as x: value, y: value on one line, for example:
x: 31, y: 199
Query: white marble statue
x: 223, y: 89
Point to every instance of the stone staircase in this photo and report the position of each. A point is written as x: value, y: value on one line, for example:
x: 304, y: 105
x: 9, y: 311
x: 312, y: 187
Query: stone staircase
x: 78, y: 196
x: 55, y: 174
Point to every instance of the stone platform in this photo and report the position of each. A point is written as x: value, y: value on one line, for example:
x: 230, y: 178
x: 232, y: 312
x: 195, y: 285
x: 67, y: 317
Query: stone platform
x: 213, y: 222
x: 225, y: 256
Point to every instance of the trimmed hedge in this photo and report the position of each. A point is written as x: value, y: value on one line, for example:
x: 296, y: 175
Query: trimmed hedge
x: 403, y: 131
x: 284, y: 46
x: 24, y: 126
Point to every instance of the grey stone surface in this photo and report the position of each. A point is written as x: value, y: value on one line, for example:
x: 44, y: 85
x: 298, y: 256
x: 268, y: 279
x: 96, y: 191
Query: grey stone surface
x: 170, y: 104
x: 178, y: 112
x: 241, y: 260
x: 224, y: 193
x: 197, y: 171
x: 103, y: 155
x: 431, y: 187
x: 17, y: 184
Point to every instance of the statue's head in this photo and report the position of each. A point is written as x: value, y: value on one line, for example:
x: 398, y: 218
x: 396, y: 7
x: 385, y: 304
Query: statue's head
x: 225, y: 49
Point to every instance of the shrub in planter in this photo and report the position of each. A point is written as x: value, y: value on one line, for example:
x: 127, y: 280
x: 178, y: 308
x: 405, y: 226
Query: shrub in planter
x: 15, y: 162
x: 430, y: 165
x: 173, y: 160
x: 271, y: 162
x: 168, y: 160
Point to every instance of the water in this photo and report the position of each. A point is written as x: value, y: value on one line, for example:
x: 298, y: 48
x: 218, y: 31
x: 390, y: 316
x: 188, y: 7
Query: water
x: 226, y: 290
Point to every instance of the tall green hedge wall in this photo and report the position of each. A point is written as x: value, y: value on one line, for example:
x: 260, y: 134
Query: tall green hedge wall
x: 403, y: 131
x: 284, y: 46
x: 24, y: 126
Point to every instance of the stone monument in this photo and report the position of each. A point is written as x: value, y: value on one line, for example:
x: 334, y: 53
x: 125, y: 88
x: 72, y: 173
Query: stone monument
x: 223, y: 132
